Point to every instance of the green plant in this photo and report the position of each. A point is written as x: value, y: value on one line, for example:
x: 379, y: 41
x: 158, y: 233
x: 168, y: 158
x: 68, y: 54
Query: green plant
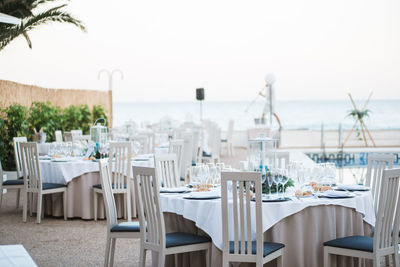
x: 85, y: 118
x: 46, y: 117
x: 359, y: 116
x: 98, y: 112
x: 14, y: 123
x: 77, y: 117
x: 25, y: 10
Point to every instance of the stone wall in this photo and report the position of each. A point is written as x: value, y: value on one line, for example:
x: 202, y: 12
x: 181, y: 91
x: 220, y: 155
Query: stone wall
x: 12, y: 92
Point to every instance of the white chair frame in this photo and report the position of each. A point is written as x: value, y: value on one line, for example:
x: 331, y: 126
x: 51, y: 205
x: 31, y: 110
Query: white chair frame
x: 386, y: 237
x: 33, y: 181
x: 187, y: 154
x: 177, y: 147
x: 111, y: 214
x: 152, y: 225
x: 120, y: 176
x: 18, y: 166
x: 167, y: 170
x: 242, y: 220
x: 377, y: 163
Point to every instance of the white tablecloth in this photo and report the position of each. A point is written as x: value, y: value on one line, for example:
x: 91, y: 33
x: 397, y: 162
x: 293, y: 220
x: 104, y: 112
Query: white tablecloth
x: 207, y: 213
x: 15, y: 255
x: 64, y: 172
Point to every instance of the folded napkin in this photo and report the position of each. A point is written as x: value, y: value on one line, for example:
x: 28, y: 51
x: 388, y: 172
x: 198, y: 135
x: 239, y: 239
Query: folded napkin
x: 173, y: 189
x: 332, y: 193
x: 352, y: 187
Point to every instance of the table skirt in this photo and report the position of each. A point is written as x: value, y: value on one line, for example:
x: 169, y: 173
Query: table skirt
x: 80, y: 199
x: 302, y: 233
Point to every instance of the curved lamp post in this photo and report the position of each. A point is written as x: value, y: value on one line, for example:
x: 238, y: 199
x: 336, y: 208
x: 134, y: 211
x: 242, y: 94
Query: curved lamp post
x: 110, y: 75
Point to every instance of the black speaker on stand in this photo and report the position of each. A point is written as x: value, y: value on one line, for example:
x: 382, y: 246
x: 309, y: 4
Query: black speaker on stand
x: 200, y: 97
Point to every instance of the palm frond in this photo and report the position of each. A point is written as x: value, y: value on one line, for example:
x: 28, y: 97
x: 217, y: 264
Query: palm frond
x: 30, y: 23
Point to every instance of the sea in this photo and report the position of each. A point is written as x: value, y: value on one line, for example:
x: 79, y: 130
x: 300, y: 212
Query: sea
x: 384, y: 114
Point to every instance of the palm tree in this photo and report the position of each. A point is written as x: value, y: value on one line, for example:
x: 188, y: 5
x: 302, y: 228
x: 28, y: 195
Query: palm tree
x: 25, y: 9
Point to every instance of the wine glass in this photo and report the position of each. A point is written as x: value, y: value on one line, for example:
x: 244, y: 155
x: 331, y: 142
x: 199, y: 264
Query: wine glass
x: 283, y: 175
x: 270, y: 181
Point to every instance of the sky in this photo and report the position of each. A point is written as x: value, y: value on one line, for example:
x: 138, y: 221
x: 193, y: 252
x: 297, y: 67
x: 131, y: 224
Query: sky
x: 317, y: 49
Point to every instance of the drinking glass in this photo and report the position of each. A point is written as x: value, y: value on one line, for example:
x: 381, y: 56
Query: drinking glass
x: 270, y: 181
x: 283, y: 175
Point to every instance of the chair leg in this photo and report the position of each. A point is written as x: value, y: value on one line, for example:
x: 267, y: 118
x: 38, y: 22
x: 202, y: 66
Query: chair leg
x: 395, y: 260
x: 129, y: 206
x: 30, y: 204
x: 225, y: 262
x: 327, y: 262
x: 18, y: 196
x: 125, y: 205
x: 113, y: 241
x: 279, y: 262
x: 95, y: 205
x: 24, y: 205
x: 108, y: 246
x: 208, y: 256
x: 176, y: 259
x: 161, y: 259
x: 1, y: 194
x: 142, y: 258
x: 65, y: 205
x: 39, y: 208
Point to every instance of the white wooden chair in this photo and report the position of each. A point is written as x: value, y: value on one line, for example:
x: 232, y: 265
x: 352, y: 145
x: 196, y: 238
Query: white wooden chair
x: 243, y: 248
x: 152, y: 226
x: 147, y: 140
x: 33, y: 181
x: 59, y: 137
x: 385, y: 240
x: 227, y: 142
x: 167, y: 170
x: 377, y: 163
x: 114, y: 230
x: 14, y: 184
x: 187, y: 154
x: 196, y: 149
x: 17, y: 184
x: 120, y: 176
x: 177, y: 147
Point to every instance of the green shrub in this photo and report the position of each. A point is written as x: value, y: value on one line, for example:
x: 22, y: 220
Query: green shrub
x: 98, y: 112
x: 14, y: 123
x: 77, y: 117
x: 46, y: 117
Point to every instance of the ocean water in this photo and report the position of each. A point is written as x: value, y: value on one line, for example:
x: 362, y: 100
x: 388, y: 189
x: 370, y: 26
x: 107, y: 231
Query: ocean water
x: 385, y: 114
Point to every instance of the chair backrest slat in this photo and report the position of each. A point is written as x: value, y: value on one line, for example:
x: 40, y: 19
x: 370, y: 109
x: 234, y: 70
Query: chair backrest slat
x: 167, y: 169
x: 238, y: 184
x: 150, y: 212
x: 18, y: 165
x: 58, y: 135
x: 121, y: 172
x: 388, y: 219
x: 30, y: 166
x: 377, y: 163
x: 109, y: 201
x: 177, y: 147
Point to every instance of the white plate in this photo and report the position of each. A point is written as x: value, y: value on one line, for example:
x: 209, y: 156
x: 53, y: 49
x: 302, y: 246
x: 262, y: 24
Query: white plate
x: 337, y: 194
x: 203, y: 195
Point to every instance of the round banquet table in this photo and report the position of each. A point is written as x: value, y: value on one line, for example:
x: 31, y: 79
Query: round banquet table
x: 80, y: 176
x: 302, y: 225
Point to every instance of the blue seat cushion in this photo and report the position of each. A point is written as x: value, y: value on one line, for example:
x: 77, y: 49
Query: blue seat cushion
x: 269, y: 247
x: 363, y: 243
x: 46, y: 186
x: 14, y: 182
x: 193, y: 163
x: 205, y: 154
x: 181, y: 239
x: 99, y: 186
x: 126, y: 227
x: 224, y: 140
